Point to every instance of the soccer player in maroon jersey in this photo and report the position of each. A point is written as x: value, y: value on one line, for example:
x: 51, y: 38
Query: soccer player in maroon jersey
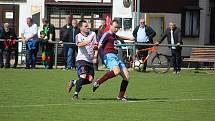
x: 112, y: 61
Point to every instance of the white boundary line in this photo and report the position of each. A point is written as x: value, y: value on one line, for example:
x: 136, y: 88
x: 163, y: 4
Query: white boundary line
x: 107, y: 102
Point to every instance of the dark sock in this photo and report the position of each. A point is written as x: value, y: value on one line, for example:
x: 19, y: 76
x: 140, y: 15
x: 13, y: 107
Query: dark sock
x: 107, y: 76
x: 79, y: 85
x: 86, y: 82
x: 123, y: 87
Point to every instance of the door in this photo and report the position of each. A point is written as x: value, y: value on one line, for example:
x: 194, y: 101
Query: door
x: 212, y: 27
x: 10, y: 14
x: 157, y: 23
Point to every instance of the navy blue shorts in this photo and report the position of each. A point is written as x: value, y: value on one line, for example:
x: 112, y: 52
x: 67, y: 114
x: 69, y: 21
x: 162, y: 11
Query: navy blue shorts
x: 85, y: 67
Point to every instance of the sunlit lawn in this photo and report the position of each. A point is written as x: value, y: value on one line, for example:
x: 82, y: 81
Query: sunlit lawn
x: 40, y: 95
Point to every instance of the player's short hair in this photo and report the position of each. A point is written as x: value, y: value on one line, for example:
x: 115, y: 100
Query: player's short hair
x: 81, y: 23
x: 114, y: 21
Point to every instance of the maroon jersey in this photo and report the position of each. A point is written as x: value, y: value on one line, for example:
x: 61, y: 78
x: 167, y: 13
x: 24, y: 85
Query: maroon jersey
x: 108, y: 42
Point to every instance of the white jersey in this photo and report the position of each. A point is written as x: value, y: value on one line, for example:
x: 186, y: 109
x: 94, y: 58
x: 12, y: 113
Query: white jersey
x: 86, y: 52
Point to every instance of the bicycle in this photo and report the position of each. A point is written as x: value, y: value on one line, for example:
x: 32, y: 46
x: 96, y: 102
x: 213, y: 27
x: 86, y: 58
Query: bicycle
x: 160, y: 63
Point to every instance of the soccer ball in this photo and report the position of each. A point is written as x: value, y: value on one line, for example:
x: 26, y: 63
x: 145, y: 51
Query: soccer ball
x: 137, y: 65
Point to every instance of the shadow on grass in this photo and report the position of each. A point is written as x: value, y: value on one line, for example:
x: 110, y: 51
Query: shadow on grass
x: 131, y: 99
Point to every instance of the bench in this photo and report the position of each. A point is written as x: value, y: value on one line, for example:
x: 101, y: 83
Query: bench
x: 202, y: 55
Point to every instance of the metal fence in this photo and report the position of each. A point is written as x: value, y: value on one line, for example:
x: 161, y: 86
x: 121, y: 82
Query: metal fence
x: 130, y: 45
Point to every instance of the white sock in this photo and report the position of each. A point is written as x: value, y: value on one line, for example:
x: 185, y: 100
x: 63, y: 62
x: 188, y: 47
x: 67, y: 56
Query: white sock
x: 75, y: 93
x: 74, y: 82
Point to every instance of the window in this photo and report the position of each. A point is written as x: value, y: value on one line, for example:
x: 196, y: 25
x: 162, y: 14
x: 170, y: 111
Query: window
x: 57, y: 15
x: 127, y: 23
x: 191, y: 23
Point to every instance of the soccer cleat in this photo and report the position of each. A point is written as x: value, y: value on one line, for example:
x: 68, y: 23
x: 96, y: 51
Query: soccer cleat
x: 122, y: 98
x: 70, y: 85
x: 75, y: 97
x: 174, y: 72
x: 178, y: 72
x: 65, y: 69
x: 95, y: 86
x: 27, y: 67
x: 72, y: 68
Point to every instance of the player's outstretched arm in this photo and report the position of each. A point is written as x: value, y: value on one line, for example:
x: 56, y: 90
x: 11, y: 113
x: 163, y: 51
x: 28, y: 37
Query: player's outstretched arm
x: 126, y: 38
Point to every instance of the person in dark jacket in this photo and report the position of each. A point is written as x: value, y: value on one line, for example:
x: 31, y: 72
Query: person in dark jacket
x: 1, y: 48
x: 101, y: 29
x: 143, y: 34
x: 68, y: 34
x: 99, y: 35
x: 173, y: 35
x: 10, y: 44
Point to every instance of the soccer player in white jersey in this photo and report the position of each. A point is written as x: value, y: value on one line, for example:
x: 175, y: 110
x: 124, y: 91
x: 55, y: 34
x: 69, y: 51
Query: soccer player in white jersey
x: 87, y: 47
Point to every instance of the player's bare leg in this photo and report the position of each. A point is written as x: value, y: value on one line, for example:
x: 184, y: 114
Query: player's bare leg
x: 110, y: 74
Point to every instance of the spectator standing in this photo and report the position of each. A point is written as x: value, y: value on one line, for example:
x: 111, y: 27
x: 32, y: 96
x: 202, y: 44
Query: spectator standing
x: 48, y: 36
x: 67, y: 34
x: 173, y: 35
x: 1, y: 48
x: 30, y: 38
x: 101, y: 28
x: 143, y: 34
x: 10, y: 44
x: 99, y: 35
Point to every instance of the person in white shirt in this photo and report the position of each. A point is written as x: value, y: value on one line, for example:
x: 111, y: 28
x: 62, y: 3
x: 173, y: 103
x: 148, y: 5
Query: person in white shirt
x: 30, y: 38
x: 87, y: 52
x: 143, y: 34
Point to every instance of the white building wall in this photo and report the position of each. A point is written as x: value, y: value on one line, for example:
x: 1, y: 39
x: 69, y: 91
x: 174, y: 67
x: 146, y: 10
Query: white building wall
x: 120, y: 11
x: 26, y: 11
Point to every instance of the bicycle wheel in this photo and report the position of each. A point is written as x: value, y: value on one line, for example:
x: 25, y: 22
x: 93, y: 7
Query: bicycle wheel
x: 160, y: 63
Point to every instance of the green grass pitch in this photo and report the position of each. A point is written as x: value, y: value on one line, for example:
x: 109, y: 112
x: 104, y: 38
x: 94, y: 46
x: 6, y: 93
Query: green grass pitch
x: 40, y: 95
